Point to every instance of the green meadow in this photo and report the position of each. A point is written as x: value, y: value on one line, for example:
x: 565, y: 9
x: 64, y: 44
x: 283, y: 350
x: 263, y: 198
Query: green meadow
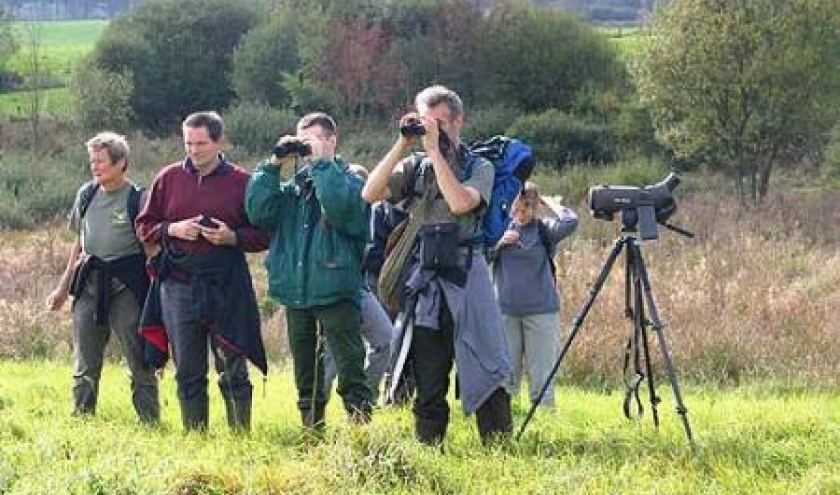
x: 51, y: 49
x: 768, y: 439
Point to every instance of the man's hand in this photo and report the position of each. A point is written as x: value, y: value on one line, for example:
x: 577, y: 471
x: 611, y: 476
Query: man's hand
x: 220, y: 235
x: 56, y: 298
x: 188, y: 229
x: 510, y: 238
x: 431, y: 140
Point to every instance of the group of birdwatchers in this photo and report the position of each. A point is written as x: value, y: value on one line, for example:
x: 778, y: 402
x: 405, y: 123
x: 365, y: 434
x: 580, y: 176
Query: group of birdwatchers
x: 164, y: 269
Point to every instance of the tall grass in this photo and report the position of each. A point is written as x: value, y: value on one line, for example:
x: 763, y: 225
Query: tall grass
x: 752, y: 297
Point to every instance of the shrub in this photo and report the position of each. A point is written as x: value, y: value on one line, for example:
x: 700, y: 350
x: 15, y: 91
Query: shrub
x: 538, y: 57
x: 255, y: 127
x: 101, y: 99
x: 559, y: 138
x: 574, y: 181
x: 831, y: 156
x: 367, y: 147
x: 265, y: 54
x: 489, y: 121
x: 34, y: 193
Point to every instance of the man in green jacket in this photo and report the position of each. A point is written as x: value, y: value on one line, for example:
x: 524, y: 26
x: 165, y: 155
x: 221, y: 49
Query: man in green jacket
x: 314, y: 263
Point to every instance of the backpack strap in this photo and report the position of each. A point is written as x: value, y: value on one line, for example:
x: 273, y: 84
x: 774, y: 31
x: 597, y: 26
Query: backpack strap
x: 545, y: 239
x: 133, y: 206
x: 409, y: 191
x: 86, y: 197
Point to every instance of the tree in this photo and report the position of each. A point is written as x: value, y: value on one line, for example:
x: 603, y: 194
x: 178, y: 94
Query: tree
x: 437, y: 41
x: 348, y: 65
x: 101, y: 99
x: 268, y: 53
x: 179, y: 54
x: 742, y: 85
x: 359, y: 70
x: 541, y: 58
x: 34, y: 81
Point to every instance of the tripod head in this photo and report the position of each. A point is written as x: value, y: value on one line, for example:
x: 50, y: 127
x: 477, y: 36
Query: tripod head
x: 630, y: 227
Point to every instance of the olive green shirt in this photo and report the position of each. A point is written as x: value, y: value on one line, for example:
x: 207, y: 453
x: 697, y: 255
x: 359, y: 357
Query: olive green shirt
x: 105, y: 230
x: 481, y: 179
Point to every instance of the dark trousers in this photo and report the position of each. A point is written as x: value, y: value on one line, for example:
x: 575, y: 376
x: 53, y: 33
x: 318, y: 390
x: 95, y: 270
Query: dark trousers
x: 339, y: 324
x: 432, y: 356
x: 190, y: 341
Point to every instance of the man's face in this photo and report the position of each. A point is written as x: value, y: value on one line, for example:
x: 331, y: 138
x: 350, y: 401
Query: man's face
x: 323, y: 143
x: 202, y: 150
x: 103, y: 170
x: 441, y: 113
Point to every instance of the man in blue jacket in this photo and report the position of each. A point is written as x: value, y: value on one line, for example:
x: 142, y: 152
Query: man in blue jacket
x: 314, y: 263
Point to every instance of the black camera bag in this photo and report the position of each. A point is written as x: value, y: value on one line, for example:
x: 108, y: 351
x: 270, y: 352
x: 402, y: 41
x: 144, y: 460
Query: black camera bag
x: 439, y: 246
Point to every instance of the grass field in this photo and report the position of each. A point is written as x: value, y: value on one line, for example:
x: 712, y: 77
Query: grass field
x: 760, y: 439
x: 59, y: 46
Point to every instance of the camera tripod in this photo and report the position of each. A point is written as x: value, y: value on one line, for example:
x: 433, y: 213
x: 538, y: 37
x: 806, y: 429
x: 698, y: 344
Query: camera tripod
x: 639, y: 303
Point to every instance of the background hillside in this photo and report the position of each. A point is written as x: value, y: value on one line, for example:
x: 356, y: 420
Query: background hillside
x: 597, y: 11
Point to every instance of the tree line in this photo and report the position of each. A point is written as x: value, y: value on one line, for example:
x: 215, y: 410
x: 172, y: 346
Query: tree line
x: 738, y: 87
x: 362, y: 60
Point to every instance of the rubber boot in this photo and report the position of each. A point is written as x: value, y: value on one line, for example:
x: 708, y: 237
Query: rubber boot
x: 146, y: 403
x: 84, y: 396
x: 238, y: 414
x: 194, y: 413
x: 494, y: 418
x: 360, y: 414
x: 429, y: 431
x: 313, y: 418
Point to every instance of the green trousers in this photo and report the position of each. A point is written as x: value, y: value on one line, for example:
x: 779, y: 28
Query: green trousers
x: 339, y: 324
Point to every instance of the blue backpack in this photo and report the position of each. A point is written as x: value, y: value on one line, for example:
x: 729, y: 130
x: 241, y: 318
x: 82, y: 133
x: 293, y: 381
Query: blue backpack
x: 513, y: 161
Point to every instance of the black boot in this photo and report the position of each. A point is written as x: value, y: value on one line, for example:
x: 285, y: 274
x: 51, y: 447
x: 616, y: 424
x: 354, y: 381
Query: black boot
x: 238, y: 414
x: 494, y: 418
x: 146, y: 403
x: 313, y: 418
x: 194, y: 413
x: 429, y: 431
x: 360, y: 414
x: 84, y: 396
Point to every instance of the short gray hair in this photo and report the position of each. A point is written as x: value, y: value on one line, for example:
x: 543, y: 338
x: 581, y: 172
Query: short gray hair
x: 115, y: 144
x: 437, y: 94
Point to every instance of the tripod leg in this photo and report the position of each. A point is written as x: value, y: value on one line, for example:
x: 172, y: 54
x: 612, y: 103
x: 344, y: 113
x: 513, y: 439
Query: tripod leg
x: 641, y: 325
x: 660, y: 334
x: 577, y: 322
x: 634, y: 311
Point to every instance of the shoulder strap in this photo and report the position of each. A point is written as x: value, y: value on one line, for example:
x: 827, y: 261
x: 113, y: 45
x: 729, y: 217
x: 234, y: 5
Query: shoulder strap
x: 545, y: 239
x: 133, y: 206
x: 410, y: 184
x: 88, y: 192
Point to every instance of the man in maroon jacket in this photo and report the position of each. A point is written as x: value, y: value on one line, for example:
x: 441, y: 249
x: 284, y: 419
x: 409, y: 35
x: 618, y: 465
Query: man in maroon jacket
x: 196, y: 214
